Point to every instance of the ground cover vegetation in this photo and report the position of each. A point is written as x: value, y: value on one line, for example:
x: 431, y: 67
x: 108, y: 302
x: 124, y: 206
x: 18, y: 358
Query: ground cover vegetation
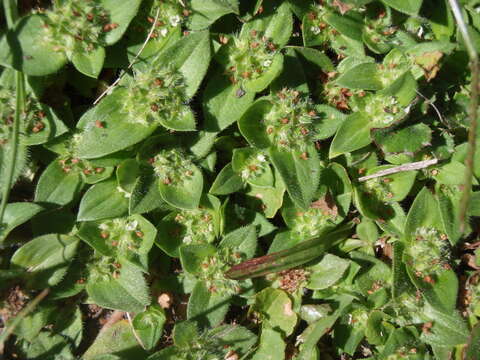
x: 225, y: 179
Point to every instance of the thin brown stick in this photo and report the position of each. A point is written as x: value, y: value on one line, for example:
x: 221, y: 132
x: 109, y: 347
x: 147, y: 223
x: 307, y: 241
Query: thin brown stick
x: 473, y: 110
x: 115, y: 317
x: 115, y: 83
x: 401, y: 168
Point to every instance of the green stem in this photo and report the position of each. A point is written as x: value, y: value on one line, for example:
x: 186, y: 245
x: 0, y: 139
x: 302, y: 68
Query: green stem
x: 473, y: 109
x: 11, y: 13
x: 289, y: 258
x: 14, y: 141
x: 7, y: 331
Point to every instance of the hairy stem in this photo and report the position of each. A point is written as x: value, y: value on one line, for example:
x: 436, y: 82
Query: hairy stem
x: 473, y: 109
x: 11, y: 14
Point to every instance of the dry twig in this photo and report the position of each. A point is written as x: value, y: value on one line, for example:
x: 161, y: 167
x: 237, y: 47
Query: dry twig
x: 404, y: 167
x: 473, y: 110
x: 115, y: 83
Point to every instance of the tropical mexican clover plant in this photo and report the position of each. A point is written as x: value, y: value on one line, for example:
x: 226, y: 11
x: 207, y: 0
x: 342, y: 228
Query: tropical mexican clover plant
x: 225, y: 179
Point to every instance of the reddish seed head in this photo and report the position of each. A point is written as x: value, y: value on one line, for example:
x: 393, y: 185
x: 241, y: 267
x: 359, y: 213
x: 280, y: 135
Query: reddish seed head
x: 99, y: 124
x: 104, y: 234
x: 90, y: 17
x: 99, y: 170
x: 254, y: 45
x: 304, y: 156
x: 304, y: 131
x: 139, y: 234
x: 253, y: 167
x: 158, y: 82
x: 154, y: 107
x: 284, y: 121
x: 167, y: 181
x: 87, y: 171
x: 114, y: 243
x: 246, y: 74
x: 223, y: 39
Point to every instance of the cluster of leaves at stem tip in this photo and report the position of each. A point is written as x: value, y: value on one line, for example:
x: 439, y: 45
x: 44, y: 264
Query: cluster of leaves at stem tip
x: 201, y: 171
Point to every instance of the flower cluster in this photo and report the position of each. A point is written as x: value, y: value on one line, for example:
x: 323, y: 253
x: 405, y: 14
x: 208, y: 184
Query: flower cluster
x: 77, y: 23
x: 171, y: 15
x: 33, y: 116
x: 254, y: 167
x: 173, y: 166
x: 122, y: 235
x: 103, y: 268
x: 214, y: 268
x: 289, y: 123
x: 71, y: 163
x: 196, y: 226
x: 310, y: 223
x: 428, y: 254
x: 249, y: 56
x: 381, y: 110
x: 155, y: 95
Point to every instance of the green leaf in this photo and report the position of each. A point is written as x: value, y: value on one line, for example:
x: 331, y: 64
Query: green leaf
x: 207, y: 308
x: 102, y: 201
x: 185, y: 195
x: 191, y: 56
x: 243, y: 240
x: 184, y: 333
x: 89, y: 63
x: 117, y: 340
x: 57, y: 186
x: 473, y: 348
x: 275, y: 310
x: 226, y: 182
x: 272, y: 346
x: 149, y: 326
x: 276, y: 22
x: 16, y: 214
x: 250, y: 124
x: 315, y: 331
x: 424, y: 212
x: 26, y: 50
x: 127, y: 293
x: 192, y: 256
x: 116, y: 130
x: 206, y: 12
x: 224, y: 103
x: 327, y: 272
x: 363, y: 77
x: 46, y: 258
x: 300, y: 175
x: 347, y: 24
x: 353, y: 134
x: 409, y: 7
x: 121, y: 13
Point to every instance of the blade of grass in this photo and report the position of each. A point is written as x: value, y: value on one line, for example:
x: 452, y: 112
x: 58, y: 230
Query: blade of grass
x: 473, y: 110
x: 289, y: 258
x: 10, y: 9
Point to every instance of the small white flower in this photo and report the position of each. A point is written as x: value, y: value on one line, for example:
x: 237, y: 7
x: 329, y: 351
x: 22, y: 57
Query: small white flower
x: 187, y: 239
x: 175, y: 20
x: 131, y: 225
x: 267, y: 63
x: 245, y: 174
x: 315, y: 30
x: 261, y: 158
x: 103, y: 226
x: 164, y: 32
